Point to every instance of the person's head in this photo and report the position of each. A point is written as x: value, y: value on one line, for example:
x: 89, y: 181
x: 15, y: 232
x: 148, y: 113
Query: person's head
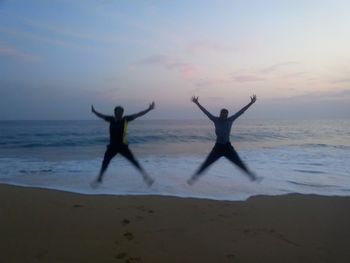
x: 118, y: 112
x: 223, y: 113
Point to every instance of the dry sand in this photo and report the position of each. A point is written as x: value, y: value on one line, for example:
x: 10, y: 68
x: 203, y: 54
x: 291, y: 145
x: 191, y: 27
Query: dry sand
x: 50, y: 226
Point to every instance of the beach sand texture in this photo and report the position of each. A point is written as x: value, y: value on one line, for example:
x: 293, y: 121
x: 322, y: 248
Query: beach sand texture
x: 38, y: 225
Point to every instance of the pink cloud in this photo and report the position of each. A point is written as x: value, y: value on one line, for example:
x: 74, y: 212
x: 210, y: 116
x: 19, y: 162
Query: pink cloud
x: 186, y: 70
x: 189, y: 71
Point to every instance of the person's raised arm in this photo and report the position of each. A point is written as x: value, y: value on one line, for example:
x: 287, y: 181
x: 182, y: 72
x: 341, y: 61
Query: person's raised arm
x: 141, y: 113
x: 100, y: 115
x: 195, y: 101
x: 241, y: 111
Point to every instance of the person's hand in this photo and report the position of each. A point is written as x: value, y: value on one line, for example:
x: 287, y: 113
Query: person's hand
x: 253, y: 98
x: 151, y: 105
x: 195, y: 99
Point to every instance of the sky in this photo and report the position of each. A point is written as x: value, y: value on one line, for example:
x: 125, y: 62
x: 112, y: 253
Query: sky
x: 59, y: 57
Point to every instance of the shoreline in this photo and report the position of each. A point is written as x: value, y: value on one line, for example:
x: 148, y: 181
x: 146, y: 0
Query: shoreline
x: 108, y: 194
x: 44, y: 225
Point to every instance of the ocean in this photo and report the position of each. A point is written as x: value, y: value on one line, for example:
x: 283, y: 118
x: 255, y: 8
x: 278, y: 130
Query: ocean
x: 308, y: 157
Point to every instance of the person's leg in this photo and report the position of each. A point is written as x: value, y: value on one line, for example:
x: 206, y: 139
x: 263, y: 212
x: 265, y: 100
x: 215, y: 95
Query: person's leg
x: 233, y: 156
x: 109, y: 154
x: 125, y: 151
x: 214, y: 155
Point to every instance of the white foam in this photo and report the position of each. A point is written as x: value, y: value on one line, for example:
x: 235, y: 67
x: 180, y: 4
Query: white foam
x: 286, y: 170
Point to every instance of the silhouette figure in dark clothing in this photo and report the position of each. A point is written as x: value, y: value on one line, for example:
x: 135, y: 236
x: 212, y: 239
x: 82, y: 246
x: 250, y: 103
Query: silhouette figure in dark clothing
x: 223, y: 146
x: 117, y: 144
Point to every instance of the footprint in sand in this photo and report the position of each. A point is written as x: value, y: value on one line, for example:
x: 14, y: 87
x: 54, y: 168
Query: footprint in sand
x: 129, y: 235
x: 42, y: 254
x: 144, y: 209
x: 271, y: 231
x: 121, y: 255
x: 133, y: 260
x: 139, y: 217
x: 125, y: 221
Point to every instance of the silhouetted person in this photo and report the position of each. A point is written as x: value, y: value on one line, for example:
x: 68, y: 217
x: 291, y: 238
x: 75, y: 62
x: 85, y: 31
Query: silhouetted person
x: 223, y: 146
x: 117, y: 144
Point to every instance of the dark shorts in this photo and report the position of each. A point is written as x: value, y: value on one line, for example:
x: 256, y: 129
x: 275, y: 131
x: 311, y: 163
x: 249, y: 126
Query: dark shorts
x: 222, y: 150
x: 122, y: 149
x: 117, y: 148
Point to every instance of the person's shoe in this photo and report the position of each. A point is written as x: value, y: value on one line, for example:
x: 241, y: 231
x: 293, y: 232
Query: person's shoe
x: 190, y: 181
x: 95, y: 183
x: 149, y: 181
x: 256, y: 179
x: 259, y: 179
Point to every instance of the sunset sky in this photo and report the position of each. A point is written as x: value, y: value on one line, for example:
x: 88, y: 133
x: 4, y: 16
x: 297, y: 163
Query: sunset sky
x: 58, y: 57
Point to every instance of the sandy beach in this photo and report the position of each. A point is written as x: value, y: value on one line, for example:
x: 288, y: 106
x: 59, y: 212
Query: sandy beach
x: 38, y: 225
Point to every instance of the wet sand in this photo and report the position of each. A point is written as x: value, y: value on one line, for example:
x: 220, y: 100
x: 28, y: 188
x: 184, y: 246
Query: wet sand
x: 39, y: 225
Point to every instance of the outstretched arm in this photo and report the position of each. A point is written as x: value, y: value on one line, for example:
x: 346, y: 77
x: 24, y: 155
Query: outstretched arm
x: 195, y: 101
x: 141, y: 113
x: 100, y: 115
x: 241, y: 111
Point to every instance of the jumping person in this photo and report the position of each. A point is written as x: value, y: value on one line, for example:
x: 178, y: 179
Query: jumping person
x: 117, y: 142
x: 223, y: 146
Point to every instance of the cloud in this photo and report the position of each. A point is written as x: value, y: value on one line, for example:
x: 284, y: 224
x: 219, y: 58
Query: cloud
x: 241, y: 76
x: 186, y: 70
x: 215, y: 98
x: 205, y: 45
x: 320, y: 95
x: 331, y: 104
x: 53, y: 29
x: 153, y: 60
x: 36, y: 37
x: 263, y: 74
x: 346, y: 80
x: 344, y: 93
x: 247, y: 78
x: 109, y: 94
x: 65, y: 37
x: 212, y: 82
x: 277, y: 66
x: 17, y: 55
x: 227, y: 80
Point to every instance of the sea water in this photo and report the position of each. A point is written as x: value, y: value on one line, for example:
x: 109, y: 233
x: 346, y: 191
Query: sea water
x: 309, y: 157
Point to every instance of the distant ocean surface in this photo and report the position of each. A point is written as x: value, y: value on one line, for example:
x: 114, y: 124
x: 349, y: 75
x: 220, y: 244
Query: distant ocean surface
x: 310, y: 157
